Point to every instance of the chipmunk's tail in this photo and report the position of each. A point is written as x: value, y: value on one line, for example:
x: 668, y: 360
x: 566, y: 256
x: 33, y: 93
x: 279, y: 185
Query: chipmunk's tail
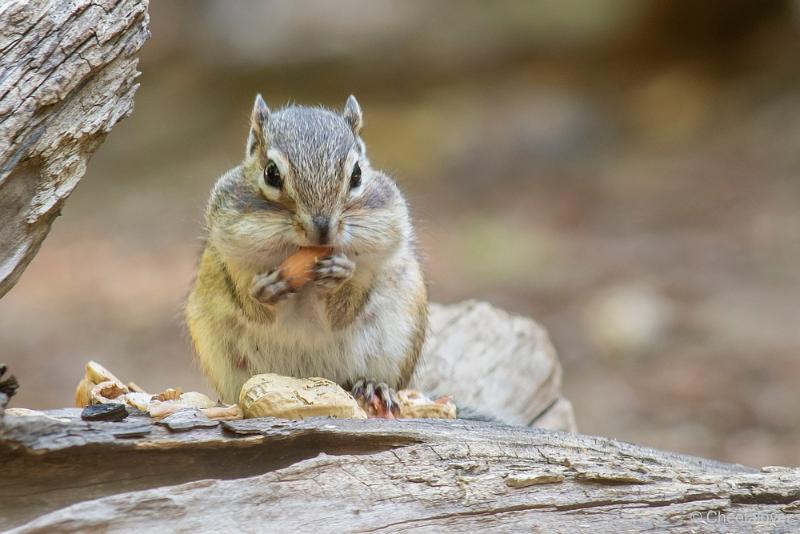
x: 473, y: 414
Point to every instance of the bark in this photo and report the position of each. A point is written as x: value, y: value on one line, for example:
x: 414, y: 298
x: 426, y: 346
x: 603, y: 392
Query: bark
x: 67, y: 71
x: 495, y: 364
x: 370, y: 476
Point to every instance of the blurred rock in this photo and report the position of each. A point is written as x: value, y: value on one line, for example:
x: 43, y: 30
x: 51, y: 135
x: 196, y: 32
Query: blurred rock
x: 628, y: 320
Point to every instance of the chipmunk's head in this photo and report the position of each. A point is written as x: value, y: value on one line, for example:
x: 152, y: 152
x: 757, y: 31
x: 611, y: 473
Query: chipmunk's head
x: 307, y: 181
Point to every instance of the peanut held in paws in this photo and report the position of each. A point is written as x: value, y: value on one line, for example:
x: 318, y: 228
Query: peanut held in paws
x: 298, y: 269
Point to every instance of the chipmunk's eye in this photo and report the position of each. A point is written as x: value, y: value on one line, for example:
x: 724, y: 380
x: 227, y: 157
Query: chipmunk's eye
x: 272, y: 175
x: 355, y: 177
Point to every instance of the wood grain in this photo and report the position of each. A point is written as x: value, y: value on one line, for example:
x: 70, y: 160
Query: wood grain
x: 373, y: 476
x: 495, y: 363
x: 67, y: 71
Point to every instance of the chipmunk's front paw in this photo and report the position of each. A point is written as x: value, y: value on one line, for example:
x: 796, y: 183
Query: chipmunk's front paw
x: 376, y: 398
x: 270, y: 288
x: 333, y: 271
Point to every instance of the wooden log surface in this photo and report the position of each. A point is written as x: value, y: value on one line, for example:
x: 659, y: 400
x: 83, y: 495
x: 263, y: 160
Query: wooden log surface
x: 370, y: 476
x: 495, y: 362
x: 67, y: 71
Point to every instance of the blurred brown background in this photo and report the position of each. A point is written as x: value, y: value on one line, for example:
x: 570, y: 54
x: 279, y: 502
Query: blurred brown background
x: 625, y: 171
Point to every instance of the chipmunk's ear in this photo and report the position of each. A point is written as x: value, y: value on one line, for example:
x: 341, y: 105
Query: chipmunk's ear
x: 258, y: 123
x: 352, y: 114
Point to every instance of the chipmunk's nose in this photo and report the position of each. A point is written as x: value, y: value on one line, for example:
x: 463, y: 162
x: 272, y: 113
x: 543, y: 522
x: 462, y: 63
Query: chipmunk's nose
x: 322, y: 225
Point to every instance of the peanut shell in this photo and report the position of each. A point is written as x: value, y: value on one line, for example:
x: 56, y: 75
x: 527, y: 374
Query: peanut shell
x: 271, y: 395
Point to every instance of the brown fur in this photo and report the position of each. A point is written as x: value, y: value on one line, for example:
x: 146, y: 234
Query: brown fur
x: 417, y: 341
x: 344, y: 304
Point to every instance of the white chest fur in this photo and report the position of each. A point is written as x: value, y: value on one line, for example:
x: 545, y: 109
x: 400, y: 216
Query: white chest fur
x: 301, y: 342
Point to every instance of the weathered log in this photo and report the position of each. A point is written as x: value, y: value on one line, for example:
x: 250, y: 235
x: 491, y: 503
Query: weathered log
x: 370, y: 475
x: 67, y: 71
x: 494, y: 363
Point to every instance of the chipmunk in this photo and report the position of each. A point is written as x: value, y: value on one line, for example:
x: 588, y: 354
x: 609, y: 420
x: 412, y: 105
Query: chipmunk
x: 306, y: 181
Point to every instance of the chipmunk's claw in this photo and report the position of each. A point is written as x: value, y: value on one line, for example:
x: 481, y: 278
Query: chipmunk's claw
x: 333, y: 271
x: 376, y: 398
x: 270, y: 288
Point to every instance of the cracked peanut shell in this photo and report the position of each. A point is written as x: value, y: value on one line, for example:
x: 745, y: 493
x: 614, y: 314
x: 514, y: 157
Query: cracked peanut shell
x: 271, y: 395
